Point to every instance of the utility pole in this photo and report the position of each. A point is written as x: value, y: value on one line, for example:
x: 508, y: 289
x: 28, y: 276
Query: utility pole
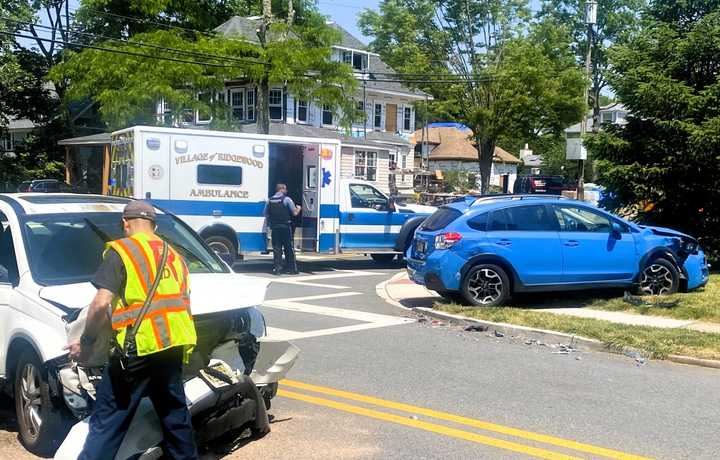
x: 590, y: 20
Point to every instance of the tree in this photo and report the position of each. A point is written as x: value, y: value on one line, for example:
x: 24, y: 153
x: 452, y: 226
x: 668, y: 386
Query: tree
x: 145, y: 65
x: 24, y: 92
x: 664, y: 161
x: 616, y: 19
x: 484, y: 66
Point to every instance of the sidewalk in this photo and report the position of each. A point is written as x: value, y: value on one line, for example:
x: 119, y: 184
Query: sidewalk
x: 401, y: 291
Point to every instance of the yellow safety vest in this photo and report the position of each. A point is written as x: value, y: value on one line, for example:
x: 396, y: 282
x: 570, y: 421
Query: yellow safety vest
x: 168, y: 321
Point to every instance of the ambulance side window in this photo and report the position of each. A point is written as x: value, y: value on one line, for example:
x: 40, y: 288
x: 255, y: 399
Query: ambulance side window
x: 219, y: 175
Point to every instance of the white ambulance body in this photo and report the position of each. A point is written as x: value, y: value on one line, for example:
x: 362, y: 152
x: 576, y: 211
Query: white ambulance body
x: 219, y: 182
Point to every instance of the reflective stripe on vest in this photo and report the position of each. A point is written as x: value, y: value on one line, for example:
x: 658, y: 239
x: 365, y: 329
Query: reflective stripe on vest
x: 168, y: 322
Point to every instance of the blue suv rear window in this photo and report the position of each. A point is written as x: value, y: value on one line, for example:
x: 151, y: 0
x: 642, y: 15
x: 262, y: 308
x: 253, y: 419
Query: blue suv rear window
x: 440, y: 219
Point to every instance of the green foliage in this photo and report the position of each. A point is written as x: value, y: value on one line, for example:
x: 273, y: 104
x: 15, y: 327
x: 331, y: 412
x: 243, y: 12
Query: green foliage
x: 459, y: 181
x: 127, y: 87
x: 522, y: 81
x: 666, y: 158
x: 616, y: 20
x: 26, y: 165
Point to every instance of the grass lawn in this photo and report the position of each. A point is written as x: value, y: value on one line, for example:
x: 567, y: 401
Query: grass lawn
x: 657, y: 343
x: 703, y: 304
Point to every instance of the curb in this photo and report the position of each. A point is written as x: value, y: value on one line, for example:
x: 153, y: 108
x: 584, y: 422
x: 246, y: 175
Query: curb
x: 381, y: 291
x: 511, y: 329
x: 538, y: 334
x: 680, y: 359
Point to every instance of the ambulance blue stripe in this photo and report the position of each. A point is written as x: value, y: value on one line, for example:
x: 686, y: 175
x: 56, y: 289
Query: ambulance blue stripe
x: 252, y: 242
x: 329, y: 211
x: 368, y: 240
x: 327, y: 242
x: 373, y: 218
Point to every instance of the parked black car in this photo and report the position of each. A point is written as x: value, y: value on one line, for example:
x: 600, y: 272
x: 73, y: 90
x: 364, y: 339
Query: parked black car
x: 549, y: 185
x: 48, y: 186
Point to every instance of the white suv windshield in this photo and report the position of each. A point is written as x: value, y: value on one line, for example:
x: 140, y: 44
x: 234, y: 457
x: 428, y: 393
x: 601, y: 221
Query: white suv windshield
x: 68, y: 248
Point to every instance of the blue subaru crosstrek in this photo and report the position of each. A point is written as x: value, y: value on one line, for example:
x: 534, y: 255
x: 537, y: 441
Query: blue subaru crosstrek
x: 486, y: 249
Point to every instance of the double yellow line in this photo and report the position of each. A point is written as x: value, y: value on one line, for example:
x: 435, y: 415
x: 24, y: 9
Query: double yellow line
x: 442, y: 429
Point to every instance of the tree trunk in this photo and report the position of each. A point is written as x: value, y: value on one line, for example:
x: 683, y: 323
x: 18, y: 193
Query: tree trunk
x: 486, y: 152
x: 596, y: 109
x: 263, y: 106
x: 263, y: 87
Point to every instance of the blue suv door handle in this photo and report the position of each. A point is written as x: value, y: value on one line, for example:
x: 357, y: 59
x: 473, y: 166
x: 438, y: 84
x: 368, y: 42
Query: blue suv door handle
x: 504, y: 242
x: 572, y: 243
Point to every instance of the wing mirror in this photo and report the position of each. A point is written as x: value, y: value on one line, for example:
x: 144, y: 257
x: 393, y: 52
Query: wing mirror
x: 616, y: 231
x: 391, y: 204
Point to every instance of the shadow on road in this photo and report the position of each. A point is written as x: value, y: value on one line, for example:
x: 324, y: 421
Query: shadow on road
x: 540, y: 300
x: 8, y: 422
x: 235, y: 442
x: 317, y: 267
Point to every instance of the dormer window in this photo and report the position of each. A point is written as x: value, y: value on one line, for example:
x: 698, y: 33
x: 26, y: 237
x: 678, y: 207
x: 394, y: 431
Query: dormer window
x: 358, y: 60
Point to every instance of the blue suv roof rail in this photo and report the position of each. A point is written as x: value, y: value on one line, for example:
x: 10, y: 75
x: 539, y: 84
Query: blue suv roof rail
x: 509, y: 196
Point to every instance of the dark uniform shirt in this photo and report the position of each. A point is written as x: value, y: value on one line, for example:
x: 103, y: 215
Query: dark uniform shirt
x: 111, y: 274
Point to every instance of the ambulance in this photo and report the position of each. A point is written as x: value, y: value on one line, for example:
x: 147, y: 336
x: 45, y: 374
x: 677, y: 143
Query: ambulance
x: 219, y: 183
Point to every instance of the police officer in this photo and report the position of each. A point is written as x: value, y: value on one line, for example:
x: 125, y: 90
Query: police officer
x: 151, y: 364
x: 279, y: 212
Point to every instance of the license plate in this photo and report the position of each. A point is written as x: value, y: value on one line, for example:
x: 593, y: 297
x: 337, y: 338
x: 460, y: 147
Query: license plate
x: 420, y: 245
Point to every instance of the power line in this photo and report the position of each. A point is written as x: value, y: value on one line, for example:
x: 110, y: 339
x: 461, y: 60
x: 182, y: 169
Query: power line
x: 111, y: 50
x: 207, y: 55
x: 148, y: 45
x: 417, y: 79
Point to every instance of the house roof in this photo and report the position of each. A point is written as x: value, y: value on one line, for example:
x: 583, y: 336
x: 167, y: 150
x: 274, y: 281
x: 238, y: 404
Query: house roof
x: 373, y: 139
x: 376, y: 65
x: 20, y: 123
x: 347, y: 40
x: 454, y: 143
x: 245, y: 27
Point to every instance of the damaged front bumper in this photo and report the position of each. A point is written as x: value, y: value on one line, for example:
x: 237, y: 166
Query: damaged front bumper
x: 229, y: 382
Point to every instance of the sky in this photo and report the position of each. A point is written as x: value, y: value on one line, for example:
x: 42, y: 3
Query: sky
x: 345, y: 13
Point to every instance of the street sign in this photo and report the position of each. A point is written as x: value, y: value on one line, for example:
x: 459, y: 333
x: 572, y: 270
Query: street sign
x: 575, y: 150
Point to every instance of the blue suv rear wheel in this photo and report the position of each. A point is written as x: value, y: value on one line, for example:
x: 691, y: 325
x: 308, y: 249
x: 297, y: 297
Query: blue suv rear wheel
x: 486, y: 285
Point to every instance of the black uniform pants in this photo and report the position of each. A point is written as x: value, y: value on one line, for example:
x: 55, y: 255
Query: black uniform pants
x: 117, y: 401
x: 282, y: 241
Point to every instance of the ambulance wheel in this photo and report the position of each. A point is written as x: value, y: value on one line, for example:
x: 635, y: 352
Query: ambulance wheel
x: 41, y: 425
x: 226, y: 249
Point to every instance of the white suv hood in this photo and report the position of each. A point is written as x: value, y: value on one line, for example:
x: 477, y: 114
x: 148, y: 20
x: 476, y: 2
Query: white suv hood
x: 209, y: 292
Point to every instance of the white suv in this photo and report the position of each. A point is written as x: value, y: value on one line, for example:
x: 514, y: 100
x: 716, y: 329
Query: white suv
x: 50, y: 248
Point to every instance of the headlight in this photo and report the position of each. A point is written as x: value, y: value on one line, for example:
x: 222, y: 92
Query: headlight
x: 690, y: 247
x: 250, y: 320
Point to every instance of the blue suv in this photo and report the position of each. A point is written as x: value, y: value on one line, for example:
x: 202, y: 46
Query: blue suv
x: 485, y: 249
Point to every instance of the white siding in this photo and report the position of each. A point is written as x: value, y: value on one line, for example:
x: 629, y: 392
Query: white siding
x: 497, y: 170
x: 347, y: 166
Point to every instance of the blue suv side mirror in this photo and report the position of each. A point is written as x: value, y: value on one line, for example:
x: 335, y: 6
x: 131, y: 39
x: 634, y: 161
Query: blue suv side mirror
x: 616, y: 231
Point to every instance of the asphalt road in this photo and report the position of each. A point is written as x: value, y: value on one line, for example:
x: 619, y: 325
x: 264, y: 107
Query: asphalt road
x: 373, y: 382
x: 514, y: 397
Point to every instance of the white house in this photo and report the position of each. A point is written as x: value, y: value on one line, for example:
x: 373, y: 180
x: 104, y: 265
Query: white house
x: 615, y: 113
x: 449, y: 147
x: 376, y: 149
x: 15, y: 134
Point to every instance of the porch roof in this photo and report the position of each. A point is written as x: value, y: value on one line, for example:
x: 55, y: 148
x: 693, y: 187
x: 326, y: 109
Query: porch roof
x: 93, y: 139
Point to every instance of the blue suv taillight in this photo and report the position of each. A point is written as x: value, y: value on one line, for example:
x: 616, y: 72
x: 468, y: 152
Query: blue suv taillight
x: 447, y: 240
